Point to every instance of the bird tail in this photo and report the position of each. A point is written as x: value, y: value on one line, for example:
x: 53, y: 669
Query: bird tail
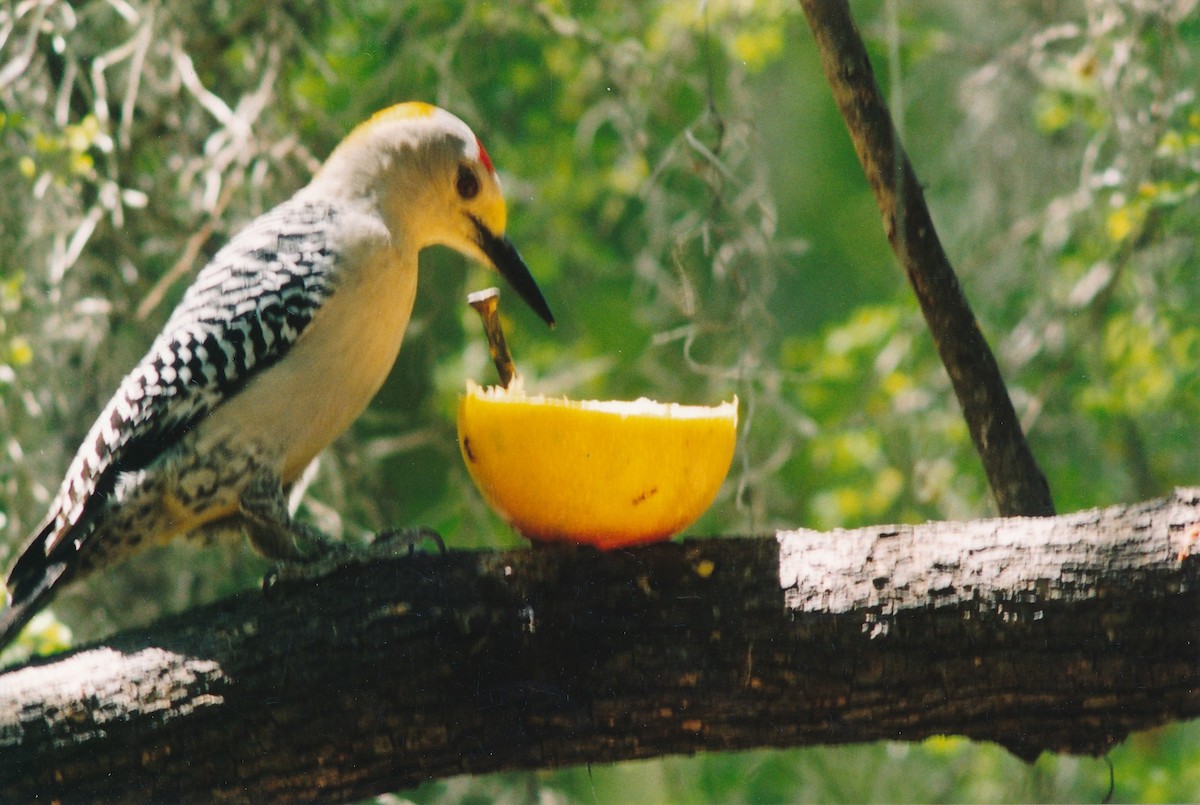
x: 34, y: 579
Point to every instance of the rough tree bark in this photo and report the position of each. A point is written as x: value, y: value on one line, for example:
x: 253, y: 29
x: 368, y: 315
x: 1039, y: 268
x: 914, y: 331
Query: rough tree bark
x: 1013, y: 474
x: 1058, y: 634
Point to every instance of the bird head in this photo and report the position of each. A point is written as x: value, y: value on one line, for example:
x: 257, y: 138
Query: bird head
x: 434, y: 183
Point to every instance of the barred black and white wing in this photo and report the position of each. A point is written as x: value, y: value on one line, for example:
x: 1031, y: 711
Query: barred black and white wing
x: 242, y: 314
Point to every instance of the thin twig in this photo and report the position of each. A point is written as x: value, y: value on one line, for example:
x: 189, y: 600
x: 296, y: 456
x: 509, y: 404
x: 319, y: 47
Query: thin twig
x: 1017, y: 482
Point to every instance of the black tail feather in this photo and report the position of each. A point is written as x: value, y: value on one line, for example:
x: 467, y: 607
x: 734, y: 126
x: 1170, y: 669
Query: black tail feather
x: 19, y: 612
x: 33, y: 580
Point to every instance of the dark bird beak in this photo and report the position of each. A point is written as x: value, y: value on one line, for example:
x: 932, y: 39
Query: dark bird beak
x: 507, y: 260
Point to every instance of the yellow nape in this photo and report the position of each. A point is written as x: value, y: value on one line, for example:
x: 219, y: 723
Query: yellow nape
x: 401, y: 111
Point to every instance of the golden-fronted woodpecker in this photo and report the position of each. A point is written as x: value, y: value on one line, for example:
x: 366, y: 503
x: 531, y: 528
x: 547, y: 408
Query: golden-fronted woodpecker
x: 273, y: 352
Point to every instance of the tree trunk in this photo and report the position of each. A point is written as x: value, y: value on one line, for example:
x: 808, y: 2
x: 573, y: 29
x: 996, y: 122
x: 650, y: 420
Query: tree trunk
x: 1058, y: 634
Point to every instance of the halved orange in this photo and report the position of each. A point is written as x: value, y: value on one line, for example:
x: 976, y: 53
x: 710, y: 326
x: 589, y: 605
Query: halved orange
x: 604, y: 473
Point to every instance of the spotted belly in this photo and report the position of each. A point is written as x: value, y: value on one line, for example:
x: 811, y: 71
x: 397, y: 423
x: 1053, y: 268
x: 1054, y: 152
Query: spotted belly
x: 190, y: 492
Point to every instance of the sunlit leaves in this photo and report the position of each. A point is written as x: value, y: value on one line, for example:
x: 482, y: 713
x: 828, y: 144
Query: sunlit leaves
x: 1143, y: 363
x: 1071, y: 93
x: 44, y: 635
x: 15, y: 348
x: 889, y: 443
x: 64, y: 154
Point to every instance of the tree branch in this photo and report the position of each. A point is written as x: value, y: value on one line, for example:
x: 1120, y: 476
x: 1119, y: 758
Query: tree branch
x: 1017, y: 482
x: 1059, y: 634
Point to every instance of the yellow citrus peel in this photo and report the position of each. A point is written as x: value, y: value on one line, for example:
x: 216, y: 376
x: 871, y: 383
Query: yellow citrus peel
x: 604, y: 473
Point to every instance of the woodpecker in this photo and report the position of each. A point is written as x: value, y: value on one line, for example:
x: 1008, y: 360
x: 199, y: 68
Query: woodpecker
x: 273, y: 352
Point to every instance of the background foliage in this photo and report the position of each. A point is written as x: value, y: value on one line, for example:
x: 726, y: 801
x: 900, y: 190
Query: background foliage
x: 687, y: 196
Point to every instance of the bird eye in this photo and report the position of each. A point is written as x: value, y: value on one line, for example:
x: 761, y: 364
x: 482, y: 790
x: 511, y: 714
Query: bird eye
x: 466, y: 183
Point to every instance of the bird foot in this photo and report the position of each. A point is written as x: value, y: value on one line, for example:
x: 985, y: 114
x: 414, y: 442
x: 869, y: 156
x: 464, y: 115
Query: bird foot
x: 335, y: 556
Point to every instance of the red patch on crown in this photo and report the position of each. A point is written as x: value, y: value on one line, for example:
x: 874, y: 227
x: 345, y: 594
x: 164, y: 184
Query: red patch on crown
x: 483, y: 156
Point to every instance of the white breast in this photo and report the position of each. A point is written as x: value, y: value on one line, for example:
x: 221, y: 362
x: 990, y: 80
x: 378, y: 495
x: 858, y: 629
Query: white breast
x: 295, y: 408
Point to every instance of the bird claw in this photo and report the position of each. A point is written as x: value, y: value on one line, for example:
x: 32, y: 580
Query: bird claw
x: 392, y: 538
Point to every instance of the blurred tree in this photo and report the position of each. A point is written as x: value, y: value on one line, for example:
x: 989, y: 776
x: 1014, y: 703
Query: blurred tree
x: 683, y: 187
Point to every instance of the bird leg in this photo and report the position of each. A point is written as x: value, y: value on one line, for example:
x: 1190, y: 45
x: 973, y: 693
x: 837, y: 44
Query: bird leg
x: 302, y: 552
x: 273, y: 532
